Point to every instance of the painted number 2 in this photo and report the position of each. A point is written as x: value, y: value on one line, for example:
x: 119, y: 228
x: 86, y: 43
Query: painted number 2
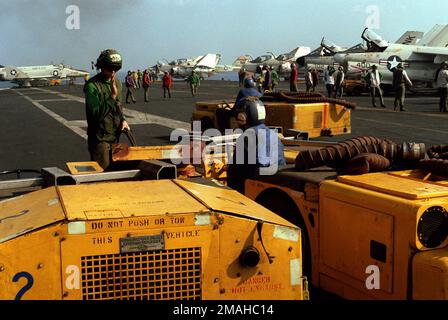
x: 28, y: 285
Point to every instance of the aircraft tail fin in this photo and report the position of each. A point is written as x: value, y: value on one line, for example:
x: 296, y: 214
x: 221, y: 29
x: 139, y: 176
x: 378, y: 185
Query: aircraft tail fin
x: 210, y: 60
x: 298, y: 52
x: 436, y: 37
x: 410, y: 37
x: 12, y: 73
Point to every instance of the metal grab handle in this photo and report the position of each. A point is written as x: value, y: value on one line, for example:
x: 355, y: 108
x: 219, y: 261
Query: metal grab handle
x: 130, y: 137
x: 18, y: 172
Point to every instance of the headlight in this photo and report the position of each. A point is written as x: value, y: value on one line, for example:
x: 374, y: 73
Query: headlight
x: 432, y: 227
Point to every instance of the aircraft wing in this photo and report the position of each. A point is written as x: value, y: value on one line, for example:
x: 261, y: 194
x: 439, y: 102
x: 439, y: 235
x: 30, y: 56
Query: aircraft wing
x: 410, y: 37
x: 436, y: 37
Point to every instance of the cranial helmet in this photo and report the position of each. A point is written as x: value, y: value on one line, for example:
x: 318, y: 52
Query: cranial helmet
x: 249, y: 83
x: 252, y: 112
x: 109, y: 58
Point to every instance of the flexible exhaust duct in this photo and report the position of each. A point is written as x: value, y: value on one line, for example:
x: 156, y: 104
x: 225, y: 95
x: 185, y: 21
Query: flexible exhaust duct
x: 342, y: 152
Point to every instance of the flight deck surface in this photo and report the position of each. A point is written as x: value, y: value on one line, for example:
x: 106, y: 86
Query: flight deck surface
x: 46, y: 126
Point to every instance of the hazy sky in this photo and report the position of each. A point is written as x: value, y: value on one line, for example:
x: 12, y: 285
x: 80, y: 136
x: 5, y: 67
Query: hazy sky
x: 33, y: 32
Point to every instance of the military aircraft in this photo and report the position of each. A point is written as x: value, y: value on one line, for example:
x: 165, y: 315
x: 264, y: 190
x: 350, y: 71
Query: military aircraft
x: 280, y: 63
x: 321, y: 57
x: 203, y: 65
x: 235, y: 66
x: 39, y: 75
x: 421, y: 59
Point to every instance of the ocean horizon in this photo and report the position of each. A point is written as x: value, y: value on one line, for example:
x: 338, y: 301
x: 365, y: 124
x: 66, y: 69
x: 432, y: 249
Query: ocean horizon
x: 225, y: 76
x: 6, y: 84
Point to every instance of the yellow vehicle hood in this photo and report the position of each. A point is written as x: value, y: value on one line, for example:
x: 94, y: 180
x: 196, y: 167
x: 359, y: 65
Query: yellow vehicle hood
x: 29, y: 212
x: 397, y: 185
x: 109, y: 200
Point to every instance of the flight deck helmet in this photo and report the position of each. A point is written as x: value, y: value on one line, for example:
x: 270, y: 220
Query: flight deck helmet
x: 251, y: 113
x: 256, y: 112
x: 109, y: 58
x: 249, y: 83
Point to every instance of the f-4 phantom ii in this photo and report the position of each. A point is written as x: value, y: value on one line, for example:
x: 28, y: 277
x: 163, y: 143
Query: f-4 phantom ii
x: 203, y: 65
x: 39, y: 75
x: 421, y: 60
x: 280, y: 63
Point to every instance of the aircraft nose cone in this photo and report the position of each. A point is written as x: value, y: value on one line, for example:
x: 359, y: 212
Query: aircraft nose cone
x: 339, y: 58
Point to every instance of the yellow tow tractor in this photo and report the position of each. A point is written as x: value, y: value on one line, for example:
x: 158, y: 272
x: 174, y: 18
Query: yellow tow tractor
x: 305, y: 115
x: 142, y: 233
x: 374, y: 215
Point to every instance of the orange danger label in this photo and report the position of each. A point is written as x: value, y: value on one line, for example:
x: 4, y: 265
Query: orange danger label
x: 258, y: 283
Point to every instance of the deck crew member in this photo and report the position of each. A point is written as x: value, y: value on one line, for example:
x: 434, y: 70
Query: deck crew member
x: 399, y: 83
x: 275, y: 78
x: 373, y: 79
x: 167, y: 82
x: 293, y: 78
x: 339, y: 83
x: 308, y: 80
x: 130, y: 87
x: 442, y: 84
x: 194, y: 80
x: 247, y: 91
x: 329, y: 80
x: 258, y: 150
x: 105, y: 119
x: 146, y: 82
